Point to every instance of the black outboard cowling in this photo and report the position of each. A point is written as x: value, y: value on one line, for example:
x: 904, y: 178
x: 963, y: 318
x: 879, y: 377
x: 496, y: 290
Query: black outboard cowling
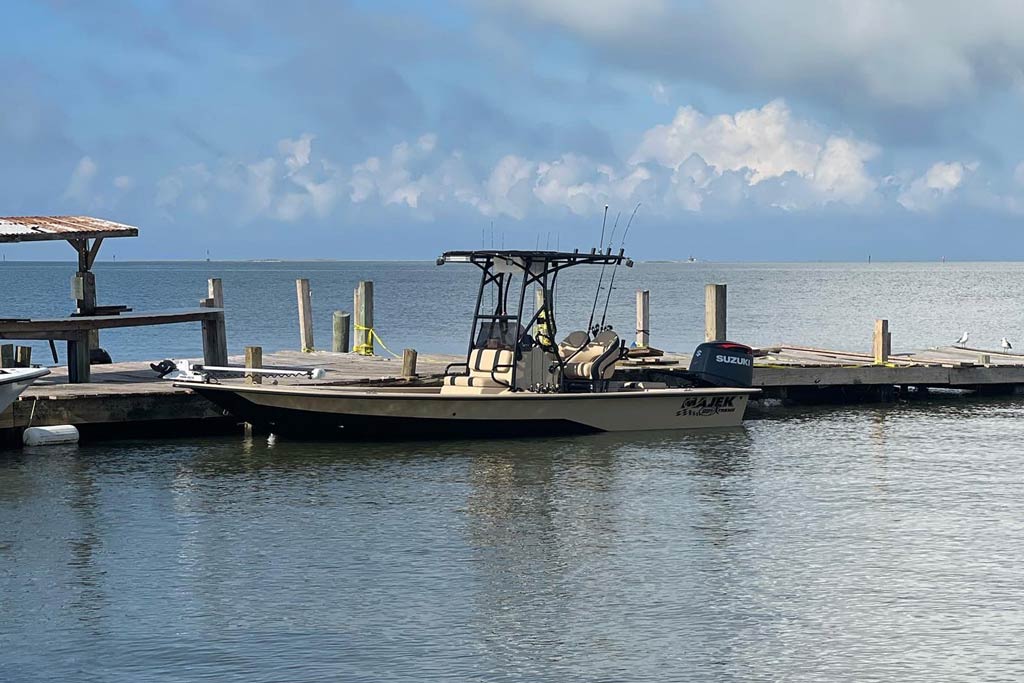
x: 723, y: 364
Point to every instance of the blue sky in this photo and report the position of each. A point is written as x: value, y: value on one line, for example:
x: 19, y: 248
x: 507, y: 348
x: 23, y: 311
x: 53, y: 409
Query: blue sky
x: 794, y: 130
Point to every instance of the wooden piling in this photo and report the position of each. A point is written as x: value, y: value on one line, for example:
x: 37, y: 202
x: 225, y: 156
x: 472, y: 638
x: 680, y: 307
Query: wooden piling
x: 23, y: 357
x: 643, y: 318
x: 714, y: 312
x: 253, y: 361
x: 215, y: 291
x: 880, y: 342
x: 79, y: 368
x: 409, y: 363
x: 305, y: 315
x: 363, y: 300
x: 341, y: 324
x: 215, y: 338
x: 6, y: 355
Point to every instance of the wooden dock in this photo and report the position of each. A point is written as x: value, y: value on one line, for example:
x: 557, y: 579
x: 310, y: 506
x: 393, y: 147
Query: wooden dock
x: 129, y: 399
x: 808, y: 375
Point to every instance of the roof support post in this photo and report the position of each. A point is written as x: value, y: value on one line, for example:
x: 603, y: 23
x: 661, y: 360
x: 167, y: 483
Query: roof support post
x: 83, y: 284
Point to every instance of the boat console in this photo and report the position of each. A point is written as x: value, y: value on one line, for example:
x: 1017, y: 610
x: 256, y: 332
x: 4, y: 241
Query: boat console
x: 511, y: 346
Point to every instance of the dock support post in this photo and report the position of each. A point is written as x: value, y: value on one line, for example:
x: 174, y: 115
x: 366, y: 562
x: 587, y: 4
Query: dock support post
x: 23, y: 357
x: 643, y: 318
x: 215, y: 340
x: 409, y: 363
x: 881, y: 342
x: 253, y: 360
x: 714, y: 313
x: 363, y: 300
x: 79, y: 370
x: 305, y: 315
x: 6, y: 355
x: 341, y: 324
x: 215, y: 294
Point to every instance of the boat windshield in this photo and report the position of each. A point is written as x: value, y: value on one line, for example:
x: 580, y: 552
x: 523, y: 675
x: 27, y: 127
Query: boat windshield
x: 493, y: 334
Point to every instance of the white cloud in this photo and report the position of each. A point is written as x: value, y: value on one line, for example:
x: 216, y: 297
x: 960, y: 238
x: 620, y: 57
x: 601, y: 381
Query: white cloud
x: 684, y: 164
x: 296, y: 152
x: 124, y: 182
x: 592, y: 17
x: 910, y: 53
x: 1018, y: 174
x: 929, y: 191
x: 763, y: 143
x: 287, y: 188
x: 659, y: 92
x: 509, y: 187
x: 392, y: 180
x: 720, y: 165
x: 79, y: 187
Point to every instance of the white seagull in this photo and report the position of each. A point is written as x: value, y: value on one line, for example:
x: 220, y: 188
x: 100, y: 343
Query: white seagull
x: 962, y: 341
x: 1005, y: 343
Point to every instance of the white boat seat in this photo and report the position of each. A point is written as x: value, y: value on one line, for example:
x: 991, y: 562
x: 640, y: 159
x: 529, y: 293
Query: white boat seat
x: 596, y: 360
x: 470, y: 381
x: 573, y: 343
x: 487, y: 368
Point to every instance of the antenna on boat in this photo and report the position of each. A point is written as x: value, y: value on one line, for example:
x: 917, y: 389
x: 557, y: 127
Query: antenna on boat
x: 622, y: 251
x: 600, y: 280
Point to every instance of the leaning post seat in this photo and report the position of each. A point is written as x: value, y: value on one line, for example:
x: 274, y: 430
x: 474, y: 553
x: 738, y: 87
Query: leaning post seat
x: 594, y: 361
x: 488, y: 369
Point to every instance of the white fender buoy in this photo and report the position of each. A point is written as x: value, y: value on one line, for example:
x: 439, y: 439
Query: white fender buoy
x: 50, y: 436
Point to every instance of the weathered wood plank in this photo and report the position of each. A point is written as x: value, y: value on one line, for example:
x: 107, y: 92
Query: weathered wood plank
x: 67, y: 328
x: 341, y: 324
x: 643, y: 318
x: 880, y: 342
x: 305, y: 314
x: 363, y: 302
x: 253, y: 360
x: 715, y: 313
x: 409, y: 363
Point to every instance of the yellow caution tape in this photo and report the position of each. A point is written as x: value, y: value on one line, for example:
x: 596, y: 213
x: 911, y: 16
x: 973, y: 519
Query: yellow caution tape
x: 367, y: 348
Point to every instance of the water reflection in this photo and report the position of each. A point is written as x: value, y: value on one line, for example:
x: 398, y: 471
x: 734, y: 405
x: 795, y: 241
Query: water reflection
x: 797, y: 547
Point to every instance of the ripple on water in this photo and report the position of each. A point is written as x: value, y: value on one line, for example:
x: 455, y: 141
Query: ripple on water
x: 853, y: 544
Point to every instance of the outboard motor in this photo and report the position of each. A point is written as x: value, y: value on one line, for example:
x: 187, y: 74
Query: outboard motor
x: 723, y: 364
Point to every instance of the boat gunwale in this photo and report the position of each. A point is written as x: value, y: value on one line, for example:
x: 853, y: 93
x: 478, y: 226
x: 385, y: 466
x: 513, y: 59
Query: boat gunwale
x: 344, y: 392
x: 15, y: 375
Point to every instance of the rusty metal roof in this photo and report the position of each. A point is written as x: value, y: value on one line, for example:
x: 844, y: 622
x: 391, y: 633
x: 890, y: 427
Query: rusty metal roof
x: 41, y: 228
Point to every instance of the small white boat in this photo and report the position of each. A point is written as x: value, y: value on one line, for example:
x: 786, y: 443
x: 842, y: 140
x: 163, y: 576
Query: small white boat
x: 516, y: 380
x: 13, y: 381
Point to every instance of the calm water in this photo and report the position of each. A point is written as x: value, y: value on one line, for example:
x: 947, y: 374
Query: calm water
x: 848, y: 545
x: 825, y: 545
x: 426, y: 307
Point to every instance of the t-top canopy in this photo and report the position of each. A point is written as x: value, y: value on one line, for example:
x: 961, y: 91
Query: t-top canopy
x: 43, y: 228
x: 557, y: 259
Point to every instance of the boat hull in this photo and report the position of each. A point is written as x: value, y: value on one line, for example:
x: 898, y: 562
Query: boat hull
x: 14, y: 381
x: 386, y: 415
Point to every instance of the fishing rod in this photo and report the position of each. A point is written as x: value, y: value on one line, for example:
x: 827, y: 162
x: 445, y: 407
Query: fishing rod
x: 622, y: 251
x: 597, y: 294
